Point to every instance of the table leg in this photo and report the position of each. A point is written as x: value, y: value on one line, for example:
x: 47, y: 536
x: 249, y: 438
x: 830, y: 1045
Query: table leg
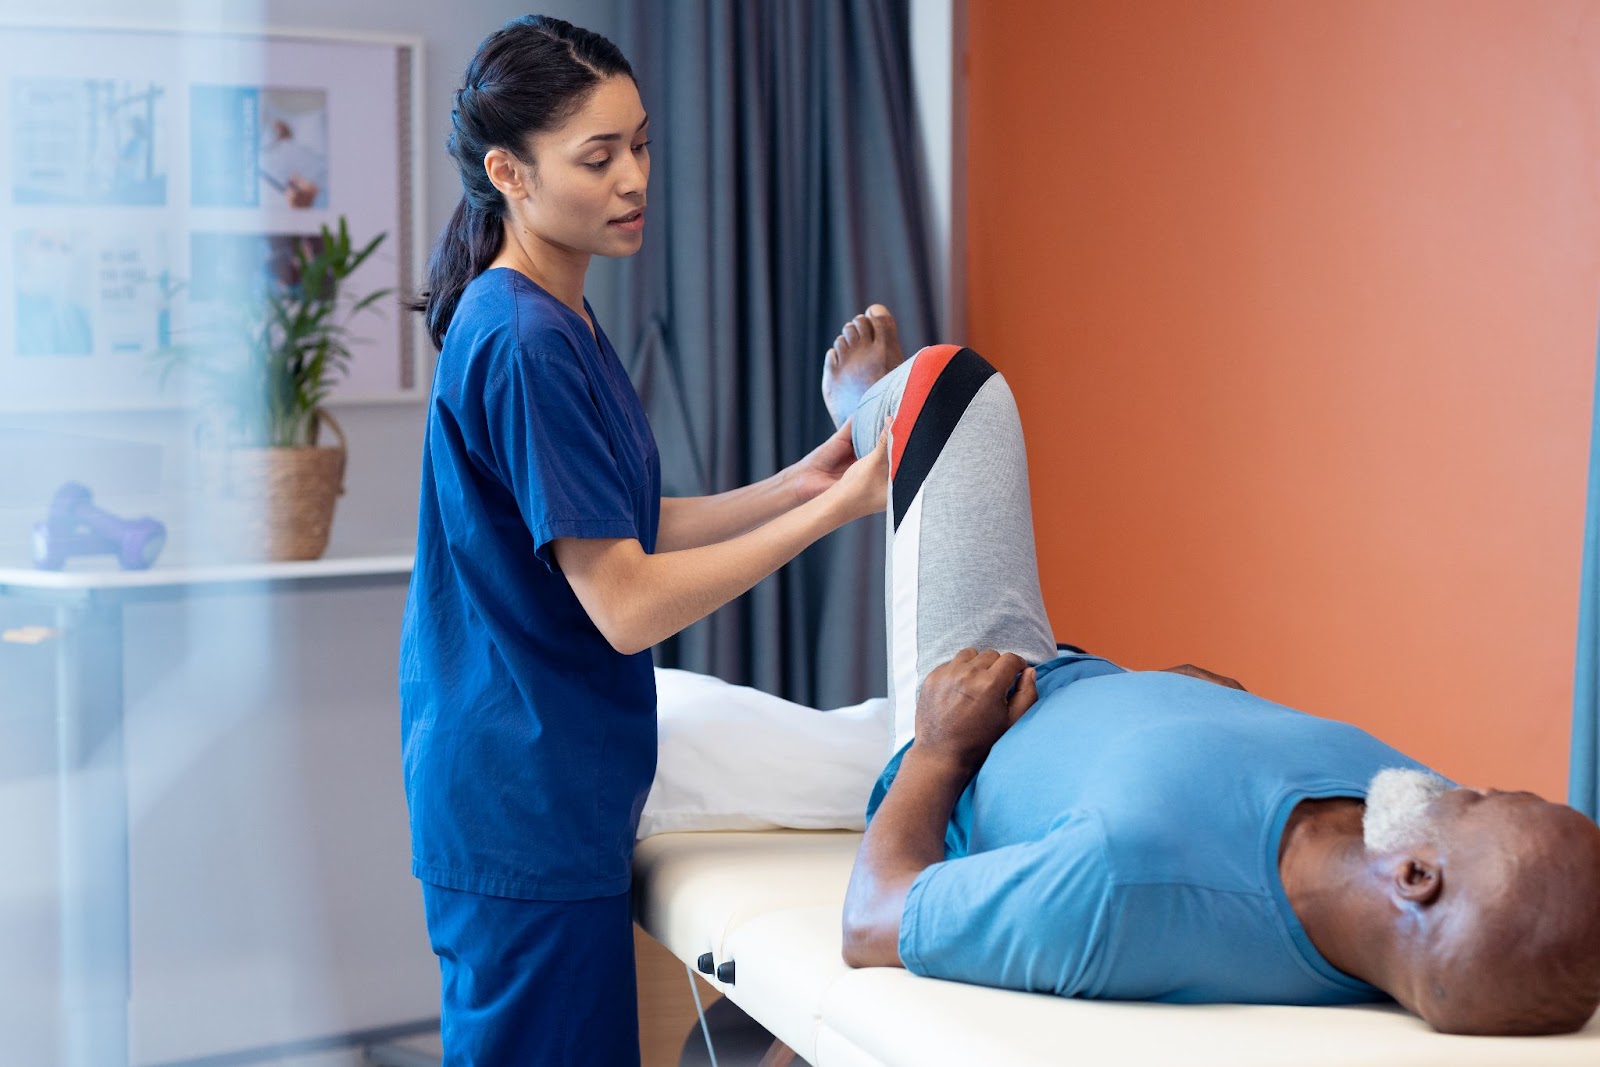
x: 93, y: 793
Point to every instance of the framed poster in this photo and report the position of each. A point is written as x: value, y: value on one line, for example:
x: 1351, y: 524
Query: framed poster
x: 155, y: 177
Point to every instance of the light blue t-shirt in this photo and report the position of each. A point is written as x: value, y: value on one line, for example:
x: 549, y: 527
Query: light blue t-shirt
x: 1122, y: 839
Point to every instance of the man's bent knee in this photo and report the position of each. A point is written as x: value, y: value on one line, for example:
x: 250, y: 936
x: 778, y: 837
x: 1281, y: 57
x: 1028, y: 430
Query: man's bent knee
x: 932, y: 388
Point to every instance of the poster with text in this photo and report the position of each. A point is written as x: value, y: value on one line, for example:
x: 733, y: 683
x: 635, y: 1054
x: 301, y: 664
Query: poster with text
x: 88, y: 141
x: 81, y: 294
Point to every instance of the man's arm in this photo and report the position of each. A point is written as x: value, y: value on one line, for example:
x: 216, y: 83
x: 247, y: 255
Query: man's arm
x: 961, y: 711
x: 906, y: 836
x: 1191, y: 671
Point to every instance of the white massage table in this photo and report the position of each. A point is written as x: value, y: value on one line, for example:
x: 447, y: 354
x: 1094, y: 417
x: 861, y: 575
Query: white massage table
x: 769, y: 903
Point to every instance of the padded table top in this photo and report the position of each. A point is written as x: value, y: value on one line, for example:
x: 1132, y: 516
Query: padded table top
x: 771, y: 902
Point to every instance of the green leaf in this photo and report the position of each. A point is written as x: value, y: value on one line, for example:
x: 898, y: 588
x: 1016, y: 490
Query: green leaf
x: 368, y: 300
x: 293, y: 343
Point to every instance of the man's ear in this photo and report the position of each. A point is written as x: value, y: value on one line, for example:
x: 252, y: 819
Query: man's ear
x: 506, y: 172
x: 1417, y: 879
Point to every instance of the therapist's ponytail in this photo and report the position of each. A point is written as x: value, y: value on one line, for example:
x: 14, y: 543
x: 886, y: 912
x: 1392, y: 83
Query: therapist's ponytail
x: 529, y: 76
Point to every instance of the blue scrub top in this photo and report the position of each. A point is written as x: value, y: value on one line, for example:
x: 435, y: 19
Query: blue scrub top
x: 528, y: 742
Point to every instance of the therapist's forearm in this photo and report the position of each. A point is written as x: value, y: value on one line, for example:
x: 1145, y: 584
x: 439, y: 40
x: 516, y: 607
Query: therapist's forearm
x: 695, y: 521
x: 637, y: 599
x: 906, y: 837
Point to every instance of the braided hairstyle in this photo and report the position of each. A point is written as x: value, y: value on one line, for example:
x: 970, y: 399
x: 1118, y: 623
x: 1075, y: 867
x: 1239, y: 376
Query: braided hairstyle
x: 529, y: 76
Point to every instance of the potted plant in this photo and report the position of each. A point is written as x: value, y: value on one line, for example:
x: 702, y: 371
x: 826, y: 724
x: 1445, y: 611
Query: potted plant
x: 281, y: 349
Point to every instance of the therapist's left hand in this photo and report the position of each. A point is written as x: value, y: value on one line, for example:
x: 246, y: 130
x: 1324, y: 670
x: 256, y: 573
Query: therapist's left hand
x: 823, y: 466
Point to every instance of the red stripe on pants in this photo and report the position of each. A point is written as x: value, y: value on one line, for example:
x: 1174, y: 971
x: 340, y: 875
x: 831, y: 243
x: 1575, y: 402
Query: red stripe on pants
x: 930, y: 363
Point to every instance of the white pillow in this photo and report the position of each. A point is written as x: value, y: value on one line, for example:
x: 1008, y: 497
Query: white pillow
x: 735, y: 758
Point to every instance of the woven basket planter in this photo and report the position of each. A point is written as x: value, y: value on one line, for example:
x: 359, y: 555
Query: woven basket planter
x: 277, y: 503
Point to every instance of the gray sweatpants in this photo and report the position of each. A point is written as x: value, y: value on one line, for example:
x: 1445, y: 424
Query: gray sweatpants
x: 961, y: 567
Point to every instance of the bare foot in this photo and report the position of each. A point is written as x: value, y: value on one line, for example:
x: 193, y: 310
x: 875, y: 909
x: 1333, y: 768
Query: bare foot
x: 867, y: 348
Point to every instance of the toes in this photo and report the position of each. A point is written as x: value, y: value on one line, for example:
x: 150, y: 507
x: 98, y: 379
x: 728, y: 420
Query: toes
x: 851, y: 334
x: 863, y: 326
x: 885, y: 325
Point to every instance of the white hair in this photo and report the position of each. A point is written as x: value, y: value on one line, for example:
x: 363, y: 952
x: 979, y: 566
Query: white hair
x: 1397, y: 809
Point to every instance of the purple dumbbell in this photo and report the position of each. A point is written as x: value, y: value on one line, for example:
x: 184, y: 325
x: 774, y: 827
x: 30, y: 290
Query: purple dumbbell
x: 75, y: 527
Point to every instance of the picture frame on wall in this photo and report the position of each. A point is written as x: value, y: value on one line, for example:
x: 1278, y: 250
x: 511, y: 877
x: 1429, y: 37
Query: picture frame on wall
x: 154, y: 180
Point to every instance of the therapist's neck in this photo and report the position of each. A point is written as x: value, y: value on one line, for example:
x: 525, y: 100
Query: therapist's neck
x: 558, y: 271
x: 1336, y: 891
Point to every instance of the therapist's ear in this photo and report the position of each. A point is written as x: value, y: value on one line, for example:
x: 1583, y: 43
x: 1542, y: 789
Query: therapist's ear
x: 509, y: 174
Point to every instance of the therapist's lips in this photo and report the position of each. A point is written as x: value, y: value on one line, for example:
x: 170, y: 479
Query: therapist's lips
x: 629, y: 223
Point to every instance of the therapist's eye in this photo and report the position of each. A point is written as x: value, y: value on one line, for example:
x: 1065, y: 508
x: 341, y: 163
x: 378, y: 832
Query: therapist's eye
x: 600, y: 165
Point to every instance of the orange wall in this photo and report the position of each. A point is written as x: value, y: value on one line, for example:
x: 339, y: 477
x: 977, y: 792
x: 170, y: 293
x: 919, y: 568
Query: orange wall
x: 1300, y: 303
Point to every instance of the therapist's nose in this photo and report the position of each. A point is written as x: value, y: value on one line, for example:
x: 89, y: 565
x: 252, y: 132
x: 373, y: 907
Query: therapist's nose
x: 634, y: 175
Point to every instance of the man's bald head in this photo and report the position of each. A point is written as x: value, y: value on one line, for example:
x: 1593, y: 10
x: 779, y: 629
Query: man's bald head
x: 1498, y: 903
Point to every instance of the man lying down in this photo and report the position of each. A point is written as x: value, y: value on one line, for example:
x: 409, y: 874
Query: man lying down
x: 1075, y: 828
x: 1150, y: 836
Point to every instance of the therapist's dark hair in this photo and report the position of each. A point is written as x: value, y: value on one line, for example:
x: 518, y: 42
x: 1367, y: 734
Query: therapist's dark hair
x: 527, y: 77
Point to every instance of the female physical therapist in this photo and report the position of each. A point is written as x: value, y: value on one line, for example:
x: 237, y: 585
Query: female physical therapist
x: 548, y: 564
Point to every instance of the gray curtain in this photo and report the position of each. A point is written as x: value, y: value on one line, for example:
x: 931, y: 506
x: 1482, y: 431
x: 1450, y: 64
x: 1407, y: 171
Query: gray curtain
x: 787, y: 194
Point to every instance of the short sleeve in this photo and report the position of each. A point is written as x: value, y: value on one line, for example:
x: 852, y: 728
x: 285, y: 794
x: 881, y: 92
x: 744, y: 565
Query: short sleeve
x: 551, y: 448
x: 1029, y: 916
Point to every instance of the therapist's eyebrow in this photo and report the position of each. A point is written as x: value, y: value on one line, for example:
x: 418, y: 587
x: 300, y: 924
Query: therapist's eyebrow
x: 617, y: 136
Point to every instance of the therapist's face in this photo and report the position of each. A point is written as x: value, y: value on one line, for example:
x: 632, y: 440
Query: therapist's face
x: 585, y: 189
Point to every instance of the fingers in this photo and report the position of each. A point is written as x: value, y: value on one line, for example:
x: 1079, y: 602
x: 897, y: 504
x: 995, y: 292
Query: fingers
x: 1009, y: 662
x: 1026, y: 695
x: 869, y: 476
x: 998, y: 669
x: 1005, y: 665
x: 973, y: 698
x: 989, y: 658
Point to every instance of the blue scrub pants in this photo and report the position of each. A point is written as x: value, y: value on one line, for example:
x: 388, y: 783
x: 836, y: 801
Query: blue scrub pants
x: 534, y: 983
